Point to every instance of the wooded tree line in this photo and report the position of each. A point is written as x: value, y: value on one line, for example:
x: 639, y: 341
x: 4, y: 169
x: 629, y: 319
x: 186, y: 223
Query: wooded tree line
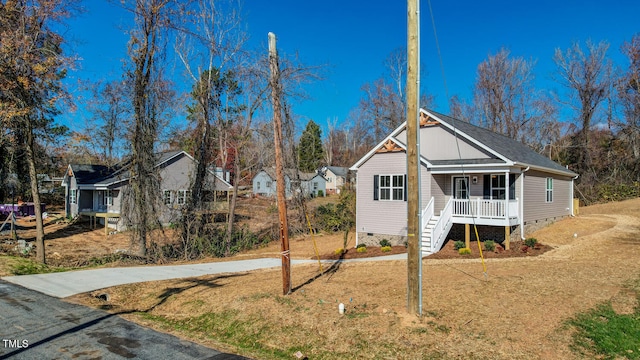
x: 592, y: 125
x: 225, y: 107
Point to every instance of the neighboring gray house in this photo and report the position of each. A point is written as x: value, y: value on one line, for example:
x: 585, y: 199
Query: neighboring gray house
x: 97, y: 190
x: 336, y: 178
x: 468, y: 175
x: 264, y: 183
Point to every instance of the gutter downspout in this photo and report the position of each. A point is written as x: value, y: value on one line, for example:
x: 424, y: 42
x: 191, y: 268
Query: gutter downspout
x: 571, y: 197
x: 522, y: 202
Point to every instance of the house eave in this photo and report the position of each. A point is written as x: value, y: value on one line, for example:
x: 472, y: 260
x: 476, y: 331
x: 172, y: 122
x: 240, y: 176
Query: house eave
x: 567, y: 173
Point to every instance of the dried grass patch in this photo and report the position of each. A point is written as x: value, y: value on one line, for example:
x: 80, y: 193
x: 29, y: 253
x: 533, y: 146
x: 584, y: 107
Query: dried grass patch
x: 517, y: 312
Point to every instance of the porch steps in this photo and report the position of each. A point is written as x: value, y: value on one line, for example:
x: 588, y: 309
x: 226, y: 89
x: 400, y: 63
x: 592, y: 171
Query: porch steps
x: 426, y: 236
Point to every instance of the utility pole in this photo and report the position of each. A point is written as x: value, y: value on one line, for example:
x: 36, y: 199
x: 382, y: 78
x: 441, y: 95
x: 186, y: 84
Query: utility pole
x: 414, y: 254
x: 280, y: 185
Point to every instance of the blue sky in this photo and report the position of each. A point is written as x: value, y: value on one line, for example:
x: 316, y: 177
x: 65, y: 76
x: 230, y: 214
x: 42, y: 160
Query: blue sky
x: 354, y: 37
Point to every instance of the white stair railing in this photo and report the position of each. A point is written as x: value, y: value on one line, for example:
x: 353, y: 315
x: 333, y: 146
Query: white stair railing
x: 438, y: 233
x: 427, y: 214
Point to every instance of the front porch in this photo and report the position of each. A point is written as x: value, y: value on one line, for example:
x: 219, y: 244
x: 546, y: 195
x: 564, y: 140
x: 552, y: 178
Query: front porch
x: 476, y: 211
x: 485, y: 212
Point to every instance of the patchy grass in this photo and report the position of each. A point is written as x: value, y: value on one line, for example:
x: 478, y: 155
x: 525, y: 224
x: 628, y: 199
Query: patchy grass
x: 606, y: 333
x: 13, y: 265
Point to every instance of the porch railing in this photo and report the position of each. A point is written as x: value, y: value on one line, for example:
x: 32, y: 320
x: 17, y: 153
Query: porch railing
x: 484, y: 208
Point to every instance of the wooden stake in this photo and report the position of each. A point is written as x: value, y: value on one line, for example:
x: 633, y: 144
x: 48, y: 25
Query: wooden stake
x: 280, y: 184
x: 414, y: 256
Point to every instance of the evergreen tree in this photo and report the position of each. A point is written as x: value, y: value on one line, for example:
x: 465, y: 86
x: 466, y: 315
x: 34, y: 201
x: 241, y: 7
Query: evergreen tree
x: 310, y: 151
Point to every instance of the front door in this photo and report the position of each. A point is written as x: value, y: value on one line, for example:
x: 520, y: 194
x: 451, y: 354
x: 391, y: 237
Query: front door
x: 461, y: 187
x: 98, y: 201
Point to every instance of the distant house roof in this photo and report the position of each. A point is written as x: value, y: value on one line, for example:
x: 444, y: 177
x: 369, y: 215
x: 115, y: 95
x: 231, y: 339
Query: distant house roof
x: 101, y: 175
x: 291, y: 173
x: 338, y: 170
x: 89, y: 174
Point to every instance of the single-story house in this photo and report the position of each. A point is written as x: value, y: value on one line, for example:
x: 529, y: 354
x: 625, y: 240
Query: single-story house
x: 469, y: 176
x: 336, y: 177
x: 311, y: 184
x: 98, y: 190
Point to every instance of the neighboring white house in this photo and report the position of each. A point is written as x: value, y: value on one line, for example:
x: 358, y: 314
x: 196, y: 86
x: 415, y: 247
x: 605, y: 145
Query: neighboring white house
x: 264, y: 183
x: 99, y: 191
x: 336, y: 178
x: 469, y: 175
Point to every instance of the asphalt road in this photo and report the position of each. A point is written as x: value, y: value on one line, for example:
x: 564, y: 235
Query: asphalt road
x: 38, y: 326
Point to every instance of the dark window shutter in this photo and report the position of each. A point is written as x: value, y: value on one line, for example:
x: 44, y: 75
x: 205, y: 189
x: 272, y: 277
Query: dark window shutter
x: 405, y: 187
x: 375, y: 187
x: 512, y: 186
x: 486, y: 183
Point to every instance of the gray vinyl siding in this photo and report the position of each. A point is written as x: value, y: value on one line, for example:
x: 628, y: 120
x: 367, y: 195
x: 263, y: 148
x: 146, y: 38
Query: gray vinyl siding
x: 439, y: 143
x: 117, y: 201
x: 439, y: 185
x: 322, y: 185
x: 535, y: 205
x: 262, y: 177
x: 381, y: 216
x: 174, y: 175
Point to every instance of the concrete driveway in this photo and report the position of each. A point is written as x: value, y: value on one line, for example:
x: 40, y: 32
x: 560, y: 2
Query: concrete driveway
x: 64, y: 284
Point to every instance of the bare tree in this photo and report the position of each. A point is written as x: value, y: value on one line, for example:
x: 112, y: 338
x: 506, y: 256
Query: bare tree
x: 110, y: 106
x: 383, y: 104
x: 208, y: 48
x: 587, y: 76
x: 628, y: 87
x: 506, y: 101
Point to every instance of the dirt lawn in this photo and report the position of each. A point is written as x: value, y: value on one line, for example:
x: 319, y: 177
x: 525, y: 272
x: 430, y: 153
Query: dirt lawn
x: 516, y: 311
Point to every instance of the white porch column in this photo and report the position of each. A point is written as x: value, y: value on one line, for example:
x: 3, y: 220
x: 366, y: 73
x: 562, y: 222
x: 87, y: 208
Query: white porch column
x: 507, y: 228
x: 507, y: 191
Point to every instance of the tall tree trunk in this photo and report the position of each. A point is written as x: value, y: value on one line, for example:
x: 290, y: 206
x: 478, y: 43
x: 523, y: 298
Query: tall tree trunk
x: 33, y: 176
x: 232, y: 205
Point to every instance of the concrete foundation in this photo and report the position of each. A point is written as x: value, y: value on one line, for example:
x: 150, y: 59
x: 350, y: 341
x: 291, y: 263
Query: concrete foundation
x: 374, y: 239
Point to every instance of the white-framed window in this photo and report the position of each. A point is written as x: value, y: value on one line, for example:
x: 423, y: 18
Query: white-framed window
x: 258, y: 187
x: 549, y: 190
x: 391, y: 187
x: 73, y: 198
x: 268, y: 184
x: 108, y: 198
x: 167, y: 197
x: 183, y: 196
x: 315, y: 186
x: 329, y: 179
x: 498, y: 187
